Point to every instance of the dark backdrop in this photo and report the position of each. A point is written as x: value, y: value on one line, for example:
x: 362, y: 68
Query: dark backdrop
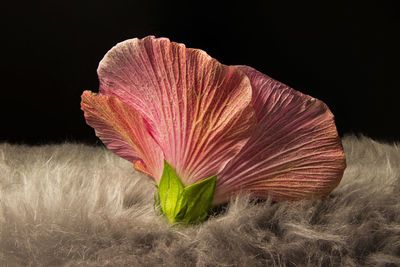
x: 344, y: 54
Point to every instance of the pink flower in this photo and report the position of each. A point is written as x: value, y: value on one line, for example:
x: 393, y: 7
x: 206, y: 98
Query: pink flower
x: 160, y: 100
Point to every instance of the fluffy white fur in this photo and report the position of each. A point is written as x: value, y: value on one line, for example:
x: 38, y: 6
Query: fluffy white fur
x: 77, y: 205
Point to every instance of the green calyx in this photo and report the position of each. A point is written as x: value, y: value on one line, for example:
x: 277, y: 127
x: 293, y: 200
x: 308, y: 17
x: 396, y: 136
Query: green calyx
x: 181, y: 204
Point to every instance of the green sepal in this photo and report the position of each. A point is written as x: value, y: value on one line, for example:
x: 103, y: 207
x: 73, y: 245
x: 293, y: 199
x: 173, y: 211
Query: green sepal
x: 156, y: 201
x: 199, y: 197
x: 184, y: 205
x: 170, y: 193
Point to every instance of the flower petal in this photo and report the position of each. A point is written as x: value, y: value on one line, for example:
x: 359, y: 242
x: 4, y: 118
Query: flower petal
x: 197, y: 109
x: 123, y: 130
x: 294, y: 153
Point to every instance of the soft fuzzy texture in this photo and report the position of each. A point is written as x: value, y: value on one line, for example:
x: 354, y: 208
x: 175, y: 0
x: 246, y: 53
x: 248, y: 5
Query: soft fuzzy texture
x: 77, y: 205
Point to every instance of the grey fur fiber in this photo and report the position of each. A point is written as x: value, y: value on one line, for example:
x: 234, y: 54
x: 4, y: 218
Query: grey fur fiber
x: 79, y: 205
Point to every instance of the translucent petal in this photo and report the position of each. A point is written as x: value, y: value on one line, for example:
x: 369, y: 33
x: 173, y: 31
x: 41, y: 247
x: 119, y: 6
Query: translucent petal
x: 198, y: 110
x: 294, y: 153
x: 123, y: 130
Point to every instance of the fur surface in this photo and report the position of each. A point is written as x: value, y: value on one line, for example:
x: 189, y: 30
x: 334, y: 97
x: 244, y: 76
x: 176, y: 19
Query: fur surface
x: 76, y: 205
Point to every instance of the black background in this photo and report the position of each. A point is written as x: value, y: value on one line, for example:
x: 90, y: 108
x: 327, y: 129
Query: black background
x: 346, y: 54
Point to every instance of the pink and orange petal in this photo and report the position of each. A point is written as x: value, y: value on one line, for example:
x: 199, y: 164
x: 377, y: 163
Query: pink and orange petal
x: 122, y: 130
x: 198, y: 111
x: 295, y: 152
